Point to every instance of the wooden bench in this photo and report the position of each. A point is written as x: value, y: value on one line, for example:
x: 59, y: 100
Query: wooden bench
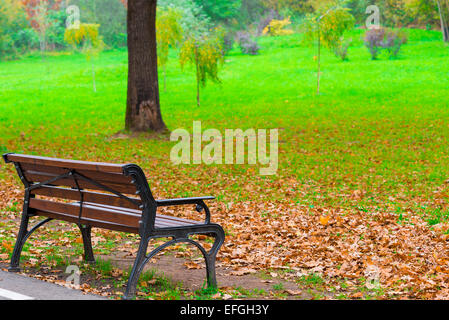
x: 110, y: 196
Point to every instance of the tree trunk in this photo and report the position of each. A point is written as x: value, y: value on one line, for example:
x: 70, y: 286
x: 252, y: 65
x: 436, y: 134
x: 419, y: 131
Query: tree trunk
x: 197, y: 65
x: 93, y: 77
x: 142, y: 109
x: 165, y: 77
x: 444, y: 24
x: 319, y: 60
x: 447, y: 22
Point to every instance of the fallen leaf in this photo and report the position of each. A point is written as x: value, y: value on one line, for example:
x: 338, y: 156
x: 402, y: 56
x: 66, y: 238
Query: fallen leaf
x: 357, y: 295
x: 7, y: 246
x: 242, y: 272
x: 293, y: 292
x: 216, y: 296
x: 324, y: 220
x: 192, y: 265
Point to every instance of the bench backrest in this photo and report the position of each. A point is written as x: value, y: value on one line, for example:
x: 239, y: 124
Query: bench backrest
x: 100, y: 187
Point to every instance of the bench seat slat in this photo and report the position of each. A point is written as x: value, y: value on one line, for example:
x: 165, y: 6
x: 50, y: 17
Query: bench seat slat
x: 178, y: 221
x: 162, y: 221
x: 63, y: 163
x: 38, y: 177
x: 89, y: 196
x: 87, y: 221
x: 105, y: 214
x: 94, y: 175
x: 89, y: 212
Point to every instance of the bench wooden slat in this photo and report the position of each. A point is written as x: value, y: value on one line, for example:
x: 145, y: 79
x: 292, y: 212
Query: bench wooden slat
x: 87, y: 221
x: 88, y: 196
x: 94, y: 175
x: 103, y: 214
x: 160, y: 219
x: 63, y: 163
x: 165, y: 223
x: 88, y: 212
x: 38, y: 177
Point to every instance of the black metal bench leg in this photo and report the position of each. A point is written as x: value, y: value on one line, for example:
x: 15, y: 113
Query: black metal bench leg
x: 211, y: 256
x: 21, y: 238
x: 211, y: 273
x: 87, y: 242
x: 136, y: 270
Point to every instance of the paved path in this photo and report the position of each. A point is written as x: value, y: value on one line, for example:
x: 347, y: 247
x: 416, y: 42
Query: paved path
x: 18, y: 287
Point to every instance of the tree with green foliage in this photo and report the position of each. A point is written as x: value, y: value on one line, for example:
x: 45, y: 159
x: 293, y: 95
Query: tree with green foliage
x: 221, y: 11
x: 423, y: 13
x: 193, y: 16
x: 12, y: 23
x: 168, y: 34
x: 295, y: 6
x: 87, y: 40
x: 110, y: 15
x: 42, y: 18
x: 326, y: 25
x: 204, y: 52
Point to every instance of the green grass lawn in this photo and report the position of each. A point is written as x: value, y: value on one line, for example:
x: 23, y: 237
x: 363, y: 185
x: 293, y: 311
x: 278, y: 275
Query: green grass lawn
x: 375, y: 139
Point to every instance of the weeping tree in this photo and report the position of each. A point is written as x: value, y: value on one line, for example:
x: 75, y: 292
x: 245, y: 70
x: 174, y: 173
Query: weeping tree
x: 143, y: 112
x: 87, y: 40
x: 326, y: 26
x: 202, y: 50
x: 168, y: 34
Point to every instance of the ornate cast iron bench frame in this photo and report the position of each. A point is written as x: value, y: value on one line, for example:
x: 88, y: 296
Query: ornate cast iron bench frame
x: 112, y: 209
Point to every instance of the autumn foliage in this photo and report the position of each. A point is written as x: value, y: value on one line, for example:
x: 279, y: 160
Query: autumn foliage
x: 36, y: 8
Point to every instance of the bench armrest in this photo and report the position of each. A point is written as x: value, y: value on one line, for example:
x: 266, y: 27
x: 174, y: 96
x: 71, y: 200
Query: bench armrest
x: 199, y: 201
x: 182, y: 201
x: 5, y: 157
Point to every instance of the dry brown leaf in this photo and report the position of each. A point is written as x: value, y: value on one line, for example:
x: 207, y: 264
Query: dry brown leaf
x: 192, y: 265
x: 242, y: 272
x: 216, y: 296
x: 293, y: 292
x: 357, y: 295
x: 324, y: 220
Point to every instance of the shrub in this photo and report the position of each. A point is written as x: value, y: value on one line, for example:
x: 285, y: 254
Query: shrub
x: 228, y: 43
x: 226, y: 39
x: 118, y: 40
x: 247, y: 44
x: 393, y: 41
x: 26, y: 39
x: 373, y: 41
x: 266, y: 20
x: 251, y: 48
x: 378, y: 39
x: 341, y: 50
x: 277, y: 27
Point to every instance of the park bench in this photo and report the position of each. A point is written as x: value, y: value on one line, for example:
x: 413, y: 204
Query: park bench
x: 109, y: 196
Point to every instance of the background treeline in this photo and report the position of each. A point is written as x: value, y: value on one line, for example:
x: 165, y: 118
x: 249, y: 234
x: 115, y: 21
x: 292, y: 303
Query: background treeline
x: 29, y: 25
